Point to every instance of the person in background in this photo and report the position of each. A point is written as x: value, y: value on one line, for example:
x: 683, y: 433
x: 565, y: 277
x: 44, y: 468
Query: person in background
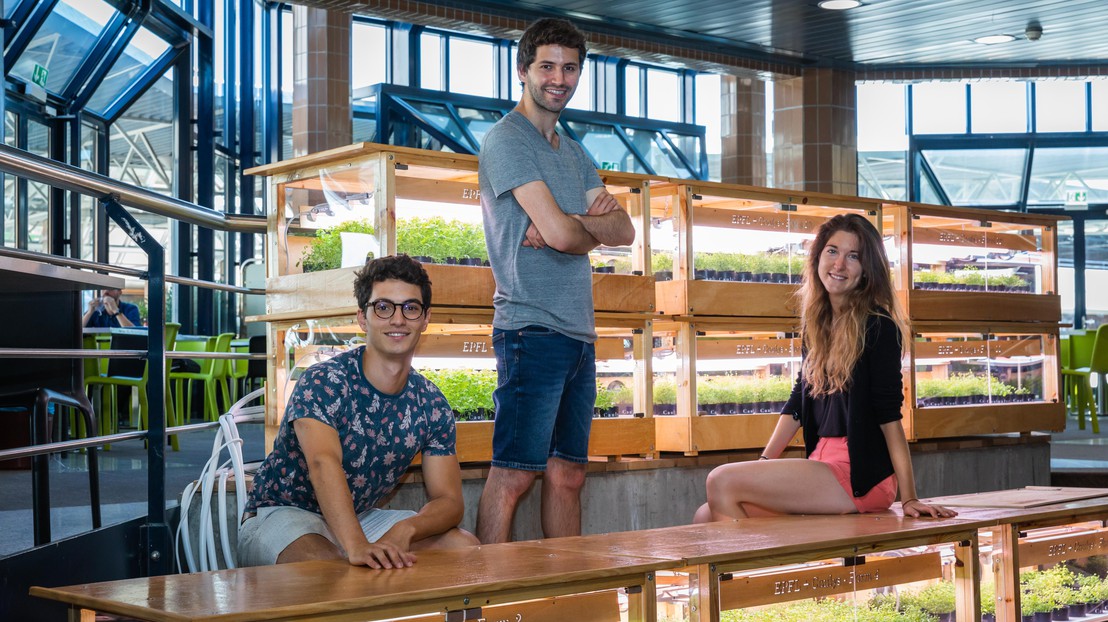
x: 352, y: 427
x: 108, y: 311
x: 544, y: 208
x: 847, y: 397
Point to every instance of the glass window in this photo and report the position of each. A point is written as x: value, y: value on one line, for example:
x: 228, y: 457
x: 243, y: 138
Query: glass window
x: 604, y: 145
x: 998, y: 107
x: 9, y: 183
x: 632, y: 75
x: 471, y: 67
x: 439, y: 116
x: 141, y: 52
x: 939, y: 108
x: 517, y: 88
x: 1059, y: 106
x: 663, y: 95
x: 689, y: 146
x: 978, y: 177
x: 1065, y: 270
x: 1100, y: 105
x: 38, y: 194
x: 881, y: 124
x: 63, y: 42
x: 430, y: 61
x: 582, y: 97
x: 657, y: 153
x: 1096, y: 273
x: 478, y: 121
x: 707, y: 114
x: 1057, y: 172
x: 881, y: 175
x: 368, y: 55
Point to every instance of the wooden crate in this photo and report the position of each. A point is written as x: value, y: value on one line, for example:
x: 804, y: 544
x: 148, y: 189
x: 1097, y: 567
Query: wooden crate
x: 712, y: 357
x: 1016, y: 364
x: 460, y: 338
x: 739, y: 250
x: 973, y: 264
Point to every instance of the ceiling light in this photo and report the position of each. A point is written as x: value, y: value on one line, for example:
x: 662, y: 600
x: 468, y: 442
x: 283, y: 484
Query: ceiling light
x: 994, y: 39
x: 839, y: 5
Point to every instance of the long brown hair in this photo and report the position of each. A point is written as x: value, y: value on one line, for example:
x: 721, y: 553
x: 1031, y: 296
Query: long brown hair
x: 835, y: 342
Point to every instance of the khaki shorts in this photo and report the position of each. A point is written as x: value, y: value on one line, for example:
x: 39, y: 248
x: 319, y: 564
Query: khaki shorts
x: 264, y: 536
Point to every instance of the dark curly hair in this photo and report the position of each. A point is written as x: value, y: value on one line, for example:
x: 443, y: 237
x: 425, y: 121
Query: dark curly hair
x: 549, y: 31
x: 399, y: 267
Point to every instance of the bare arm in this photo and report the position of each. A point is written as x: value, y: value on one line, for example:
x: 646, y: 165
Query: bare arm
x: 557, y: 229
x: 783, y: 432
x: 606, y: 221
x: 905, y: 477
x: 442, y: 477
x: 323, y: 453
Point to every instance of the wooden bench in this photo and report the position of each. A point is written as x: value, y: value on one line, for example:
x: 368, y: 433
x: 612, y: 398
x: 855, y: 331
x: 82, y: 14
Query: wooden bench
x: 456, y: 582
x: 728, y: 566
x: 715, y: 554
x: 1006, y: 530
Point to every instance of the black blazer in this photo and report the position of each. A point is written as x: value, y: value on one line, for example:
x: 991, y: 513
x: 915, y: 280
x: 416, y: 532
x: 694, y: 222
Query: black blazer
x: 875, y: 396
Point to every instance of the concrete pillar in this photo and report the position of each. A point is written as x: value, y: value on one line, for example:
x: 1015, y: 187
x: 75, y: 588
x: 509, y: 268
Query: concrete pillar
x: 815, y: 132
x: 743, y: 129
x: 321, y: 112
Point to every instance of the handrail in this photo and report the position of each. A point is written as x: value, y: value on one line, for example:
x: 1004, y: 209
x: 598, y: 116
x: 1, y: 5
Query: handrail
x: 60, y: 175
x: 70, y: 262
x: 99, y: 441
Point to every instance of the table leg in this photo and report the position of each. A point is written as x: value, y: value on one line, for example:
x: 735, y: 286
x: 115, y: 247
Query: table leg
x: 704, y: 593
x: 1006, y: 571
x: 967, y: 580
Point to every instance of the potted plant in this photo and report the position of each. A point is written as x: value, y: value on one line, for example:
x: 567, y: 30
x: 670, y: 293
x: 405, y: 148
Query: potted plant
x: 937, y: 599
x: 665, y: 397
x: 324, y: 252
x: 988, y: 601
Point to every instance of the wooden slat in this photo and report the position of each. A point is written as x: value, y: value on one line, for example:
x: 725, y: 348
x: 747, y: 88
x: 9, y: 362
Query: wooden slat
x: 622, y: 436
x: 984, y: 306
x: 977, y: 348
x: 827, y: 580
x: 594, y: 607
x: 729, y: 349
x: 681, y: 297
x: 1035, y: 552
x: 948, y: 421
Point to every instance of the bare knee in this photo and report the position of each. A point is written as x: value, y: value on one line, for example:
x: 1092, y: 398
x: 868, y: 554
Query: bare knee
x: 511, y: 483
x: 309, y: 547
x: 724, y: 482
x: 567, y: 476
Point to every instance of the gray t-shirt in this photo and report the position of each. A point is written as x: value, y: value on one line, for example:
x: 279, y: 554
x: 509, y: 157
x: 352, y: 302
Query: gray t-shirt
x: 535, y: 286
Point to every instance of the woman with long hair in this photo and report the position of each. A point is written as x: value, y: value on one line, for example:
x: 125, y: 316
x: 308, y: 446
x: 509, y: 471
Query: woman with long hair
x: 847, y: 397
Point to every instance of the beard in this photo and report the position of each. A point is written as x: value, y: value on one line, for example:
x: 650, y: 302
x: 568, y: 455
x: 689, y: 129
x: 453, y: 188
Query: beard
x: 541, y: 98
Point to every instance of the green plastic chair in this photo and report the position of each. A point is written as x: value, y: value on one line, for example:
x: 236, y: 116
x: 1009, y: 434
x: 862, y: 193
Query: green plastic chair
x: 131, y: 373
x: 1086, y: 361
x: 213, y: 373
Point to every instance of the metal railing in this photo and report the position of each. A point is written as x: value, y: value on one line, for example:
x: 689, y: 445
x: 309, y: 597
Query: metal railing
x: 113, y: 196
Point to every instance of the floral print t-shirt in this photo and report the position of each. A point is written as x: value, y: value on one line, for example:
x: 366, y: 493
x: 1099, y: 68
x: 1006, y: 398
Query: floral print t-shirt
x: 380, y: 434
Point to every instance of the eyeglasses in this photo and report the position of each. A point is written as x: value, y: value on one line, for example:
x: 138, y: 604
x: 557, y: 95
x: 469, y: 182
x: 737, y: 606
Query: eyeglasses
x: 385, y: 309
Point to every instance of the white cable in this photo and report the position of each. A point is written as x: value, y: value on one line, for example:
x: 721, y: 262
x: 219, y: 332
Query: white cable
x: 226, y: 437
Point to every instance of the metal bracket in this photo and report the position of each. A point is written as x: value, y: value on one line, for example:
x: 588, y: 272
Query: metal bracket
x: 463, y: 615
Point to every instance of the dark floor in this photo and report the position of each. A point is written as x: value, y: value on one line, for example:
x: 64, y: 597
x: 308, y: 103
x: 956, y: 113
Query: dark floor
x: 123, y: 485
x: 1078, y: 458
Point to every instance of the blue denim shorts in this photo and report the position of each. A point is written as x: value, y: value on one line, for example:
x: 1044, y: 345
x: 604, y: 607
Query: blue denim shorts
x: 545, y: 394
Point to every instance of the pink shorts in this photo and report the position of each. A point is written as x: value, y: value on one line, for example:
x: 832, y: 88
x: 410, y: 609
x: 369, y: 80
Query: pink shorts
x: 832, y: 451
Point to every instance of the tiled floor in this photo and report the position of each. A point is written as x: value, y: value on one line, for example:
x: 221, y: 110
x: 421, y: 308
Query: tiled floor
x: 1080, y: 449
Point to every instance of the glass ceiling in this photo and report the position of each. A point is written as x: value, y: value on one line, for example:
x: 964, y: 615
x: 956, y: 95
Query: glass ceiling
x: 62, y: 45
x: 452, y: 122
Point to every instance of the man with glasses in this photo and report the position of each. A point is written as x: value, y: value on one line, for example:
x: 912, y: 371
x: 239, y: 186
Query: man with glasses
x: 544, y: 208
x: 352, y: 426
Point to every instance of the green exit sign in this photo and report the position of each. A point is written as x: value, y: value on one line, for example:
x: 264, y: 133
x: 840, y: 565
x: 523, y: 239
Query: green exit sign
x: 609, y: 166
x: 38, y: 76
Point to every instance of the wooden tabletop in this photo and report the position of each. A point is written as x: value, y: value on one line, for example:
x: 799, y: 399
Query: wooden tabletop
x: 1058, y: 513
x: 440, y: 579
x: 772, y: 541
